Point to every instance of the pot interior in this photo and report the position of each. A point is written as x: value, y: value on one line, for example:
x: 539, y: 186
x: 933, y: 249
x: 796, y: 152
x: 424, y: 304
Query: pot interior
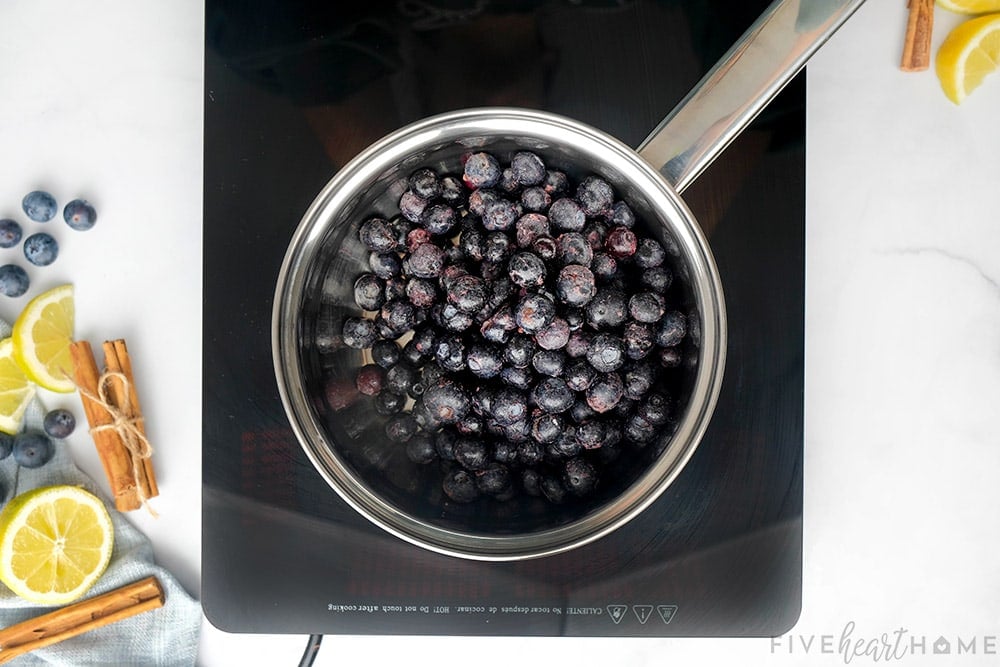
x: 344, y: 435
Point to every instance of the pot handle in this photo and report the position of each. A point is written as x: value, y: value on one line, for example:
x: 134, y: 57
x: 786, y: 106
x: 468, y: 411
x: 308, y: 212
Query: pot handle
x: 742, y: 83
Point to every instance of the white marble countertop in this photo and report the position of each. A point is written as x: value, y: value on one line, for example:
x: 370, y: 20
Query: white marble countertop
x: 103, y: 99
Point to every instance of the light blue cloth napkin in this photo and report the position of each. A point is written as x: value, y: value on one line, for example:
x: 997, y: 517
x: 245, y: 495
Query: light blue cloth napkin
x: 166, y: 637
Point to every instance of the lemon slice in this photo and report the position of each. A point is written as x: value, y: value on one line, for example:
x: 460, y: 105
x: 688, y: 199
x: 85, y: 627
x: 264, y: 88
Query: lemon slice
x: 970, y: 6
x: 42, y: 336
x: 16, y: 391
x: 55, y: 542
x: 967, y: 55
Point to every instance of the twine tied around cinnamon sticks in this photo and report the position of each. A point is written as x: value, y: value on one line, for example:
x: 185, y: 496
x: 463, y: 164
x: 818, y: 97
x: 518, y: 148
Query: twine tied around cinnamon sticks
x: 116, y: 423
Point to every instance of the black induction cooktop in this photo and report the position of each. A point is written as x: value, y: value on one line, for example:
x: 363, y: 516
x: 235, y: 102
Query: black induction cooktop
x: 295, y: 89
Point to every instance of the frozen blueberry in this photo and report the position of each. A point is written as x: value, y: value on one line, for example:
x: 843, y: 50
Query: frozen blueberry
x: 573, y: 248
x: 501, y: 214
x: 426, y: 261
x: 401, y: 228
x: 556, y: 183
x: 421, y: 292
x: 528, y: 168
x: 549, y: 362
x: 555, y: 336
x: 605, y: 392
x: 566, y: 214
x: 472, y: 454
x: 670, y: 357
x: 518, y: 351
x: 481, y: 171
x: 595, y: 232
x: 622, y: 215
x: 447, y: 401
x: 438, y: 219
x: 621, y: 242
x: 534, y: 312
x: 484, y: 360
x: 497, y: 247
x: 449, y: 350
x: 658, y: 279
x: 369, y: 292
x: 575, y: 285
x: 591, y: 434
x: 672, y: 329
x: 639, y: 339
x: 638, y: 380
x: 494, y: 480
x: 545, y: 247
x: 41, y: 249
x: 420, y: 448
x: 400, y: 378
x: 607, y: 309
x: 578, y: 374
x: 638, y: 430
x: 452, y: 190
x: 369, y: 379
x: 552, y: 395
x: 399, y: 315
x: 467, y: 293
x: 535, y: 199
x: 526, y: 269
x: 604, y: 266
x: 579, y: 477
x: 606, y: 353
x: 425, y: 183
x: 595, y: 195
x: 509, y: 406
x: 552, y: 489
x: 401, y: 428
x: 518, y: 378
x: 10, y: 233
x: 377, y: 235
x: 13, y: 280
x: 578, y: 344
x: 481, y: 198
x: 655, y: 409
x: 32, y: 449
x: 39, y: 206
x: 646, y: 307
x: 460, y: 486
x: 385, y: 265
x: 358, y: 333
x: 389, y: 403
x: 395, y: 289
x: 80, y: 215
x: 412, y: 206
x: 546, y: 428
x: 649, y: 253
x: 529, y: 227
x: 472, y: 242
x: 385, y: 353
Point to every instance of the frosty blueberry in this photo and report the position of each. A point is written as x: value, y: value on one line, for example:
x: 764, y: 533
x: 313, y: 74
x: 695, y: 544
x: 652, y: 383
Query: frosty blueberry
x: 13, y: 280
x: 41, y: 249
x: 80, y: 215
x: 39, y: 206
x: 10, y: 233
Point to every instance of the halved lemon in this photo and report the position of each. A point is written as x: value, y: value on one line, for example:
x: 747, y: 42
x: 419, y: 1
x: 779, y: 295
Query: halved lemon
x: 55, y: 543
x: 970, y: 6
x: 42, y: 336
x: 16, y: 390
x: 967, y: 55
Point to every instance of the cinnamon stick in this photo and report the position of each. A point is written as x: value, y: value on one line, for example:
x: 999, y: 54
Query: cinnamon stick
x: 114, y: 456
x: 117, y: 360
x: 80, y: 617
x: 917, y: 44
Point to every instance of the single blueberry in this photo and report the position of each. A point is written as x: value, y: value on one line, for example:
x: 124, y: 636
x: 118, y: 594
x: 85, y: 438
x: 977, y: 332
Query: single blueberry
x: 39, y: 206
x: 368, y: 292
x: 41, y: 249
x: 460, y: 486
x: 377, y: 235
x: 33, y: 449
x: 13, y: 280
x: 481, y: 170
x: 10, y: 233
x: 59, y: 423
x: 80, y: 215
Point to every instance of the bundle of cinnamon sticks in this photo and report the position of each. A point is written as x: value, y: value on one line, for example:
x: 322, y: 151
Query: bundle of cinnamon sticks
x: 116, y: 423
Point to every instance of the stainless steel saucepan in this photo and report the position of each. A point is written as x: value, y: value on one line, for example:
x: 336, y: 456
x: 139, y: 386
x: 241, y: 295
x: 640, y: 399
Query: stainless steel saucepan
x: 314, y: 290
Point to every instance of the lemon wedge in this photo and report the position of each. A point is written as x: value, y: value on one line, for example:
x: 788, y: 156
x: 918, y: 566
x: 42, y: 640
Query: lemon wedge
x: 55, y: 543
x: 967, y: 55
x: 16, y: 390
x: 42, y: 336
x: 970, y: 6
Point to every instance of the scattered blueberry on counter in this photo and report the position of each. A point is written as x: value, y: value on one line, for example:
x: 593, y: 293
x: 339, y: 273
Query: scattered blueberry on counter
x: 41, y: 249
x: 13, y: 280
x: 10, y: 233
x: 542, y: 328
x: 79, y: 215
x: 39, y: 206
x: 32, y: 449
x: 59, y: 423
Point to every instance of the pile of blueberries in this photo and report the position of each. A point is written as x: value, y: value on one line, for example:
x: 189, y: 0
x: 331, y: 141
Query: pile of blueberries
x: 41, y: 248
x: 519, y: 327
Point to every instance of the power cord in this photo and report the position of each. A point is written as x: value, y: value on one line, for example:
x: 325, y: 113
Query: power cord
x: 312, y: 648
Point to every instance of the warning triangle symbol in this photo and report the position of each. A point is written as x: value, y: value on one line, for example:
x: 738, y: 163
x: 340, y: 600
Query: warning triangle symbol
x: 666, y: 611
x: 617, y: 612
x: 642, y: 611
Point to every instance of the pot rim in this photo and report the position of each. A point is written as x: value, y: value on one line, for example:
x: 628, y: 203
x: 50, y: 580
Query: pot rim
x: 473, y: 124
